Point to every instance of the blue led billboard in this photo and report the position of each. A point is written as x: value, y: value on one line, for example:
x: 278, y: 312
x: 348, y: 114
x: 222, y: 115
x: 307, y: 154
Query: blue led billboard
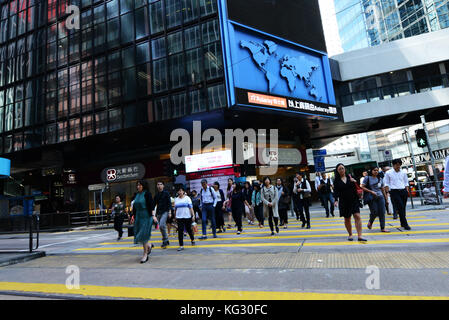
x: 265, y: 71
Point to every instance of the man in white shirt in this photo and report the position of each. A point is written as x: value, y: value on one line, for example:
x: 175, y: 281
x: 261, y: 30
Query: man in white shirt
x: 396, y: 182
x: 446, y: 177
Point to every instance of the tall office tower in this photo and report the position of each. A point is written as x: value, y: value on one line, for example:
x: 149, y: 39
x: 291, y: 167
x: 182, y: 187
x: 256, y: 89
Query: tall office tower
x: 364, y: 23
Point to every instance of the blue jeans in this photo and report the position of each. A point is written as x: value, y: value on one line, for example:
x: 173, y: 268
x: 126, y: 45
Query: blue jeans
x: 208, y: 212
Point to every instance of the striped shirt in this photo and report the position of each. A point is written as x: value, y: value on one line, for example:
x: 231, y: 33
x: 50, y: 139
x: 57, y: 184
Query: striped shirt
x: 182, y: 207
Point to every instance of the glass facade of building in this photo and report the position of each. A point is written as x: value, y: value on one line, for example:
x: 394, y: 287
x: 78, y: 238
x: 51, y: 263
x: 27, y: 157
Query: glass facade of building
x: 131, y: 62
x: 364, y: 23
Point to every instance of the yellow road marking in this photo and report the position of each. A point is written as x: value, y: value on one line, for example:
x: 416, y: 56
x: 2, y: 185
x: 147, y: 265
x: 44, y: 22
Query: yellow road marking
x: 266, y: 229
x: 286, y: 244
x: 187, y: 294
x: 300, y: 236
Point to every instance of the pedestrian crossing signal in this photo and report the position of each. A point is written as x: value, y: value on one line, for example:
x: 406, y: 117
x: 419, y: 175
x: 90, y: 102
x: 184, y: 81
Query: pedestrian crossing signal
x: 421, y: 139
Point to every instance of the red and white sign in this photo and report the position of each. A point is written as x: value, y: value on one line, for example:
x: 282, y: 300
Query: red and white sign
x: 208, y: 161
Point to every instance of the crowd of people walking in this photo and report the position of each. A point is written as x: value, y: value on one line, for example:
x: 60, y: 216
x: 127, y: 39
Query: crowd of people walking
x: 264, y: 200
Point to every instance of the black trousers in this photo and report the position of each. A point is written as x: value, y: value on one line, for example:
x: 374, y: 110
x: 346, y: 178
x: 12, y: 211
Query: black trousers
x: 399, y: 199
x: 237, y: 215
x: 187, y: 224
x: 283, y: 215
x: 271, y: 217
x: 258, y: 211
x: 303, y: 206
x: 219, y: 219
x: 118, y: 225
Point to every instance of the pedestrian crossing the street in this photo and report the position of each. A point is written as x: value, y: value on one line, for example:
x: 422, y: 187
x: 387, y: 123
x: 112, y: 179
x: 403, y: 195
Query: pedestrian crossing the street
x: 427, y: 228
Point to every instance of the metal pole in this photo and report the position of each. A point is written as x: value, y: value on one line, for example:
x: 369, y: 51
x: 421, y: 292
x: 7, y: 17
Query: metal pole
x: 435, y: 178
x: 412, y: 155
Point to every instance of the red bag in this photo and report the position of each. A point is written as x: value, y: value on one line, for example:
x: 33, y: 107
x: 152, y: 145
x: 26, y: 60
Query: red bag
x: 358, y: 189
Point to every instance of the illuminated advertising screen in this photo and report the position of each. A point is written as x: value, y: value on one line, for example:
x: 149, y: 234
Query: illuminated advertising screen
x: 269, y: 72
x: 208, y: 161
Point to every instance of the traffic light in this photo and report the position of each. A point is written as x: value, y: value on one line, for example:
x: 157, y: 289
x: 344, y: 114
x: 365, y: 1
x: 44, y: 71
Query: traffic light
x: 421, y: 139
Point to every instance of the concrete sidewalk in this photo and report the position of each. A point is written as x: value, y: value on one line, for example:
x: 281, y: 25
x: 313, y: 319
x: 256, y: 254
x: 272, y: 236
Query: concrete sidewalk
x: 8, y: 258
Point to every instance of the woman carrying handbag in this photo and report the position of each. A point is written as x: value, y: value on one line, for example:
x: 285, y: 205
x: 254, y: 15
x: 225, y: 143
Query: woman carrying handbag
x: 374, y: 195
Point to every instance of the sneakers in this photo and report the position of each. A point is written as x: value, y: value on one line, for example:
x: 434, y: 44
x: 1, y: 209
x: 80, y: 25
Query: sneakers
x: 285, y: 227
x: 164, y: 245
x: 193, y: 243
x: 238, y: 232
x: 272, y: 233
x: 215, y: 236
x: 369, y: 225
x: 180, y: 248
x: 407, y: 228
x: 119, y: 238
x: 277, y: 229
x: 203, y: 238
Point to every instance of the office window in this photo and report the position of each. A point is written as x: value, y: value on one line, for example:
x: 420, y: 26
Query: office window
x: 158, y: 49
x: 112, y: 9
x: 86, y: 42
x: 172, y: 13
x: 142, y: 23
x: 194, y: 61
x: 18, y: 141
x: 192, y: 37
x: 190, y: 10
x: 174, y: 42
x: 99, y: 14
x: 160, y: 75
x: 115, y: 119
x: 50, y: 110
x: 114, y: 61
x: 2, y: 114
x: 126, y: 6
x: 100, y: 92
x: 129, y: 84
x: 211, y: 31
x: 197, y: 101
x: 213, y: 61
x: 162, y: 108
x: 113, y: 35
x: 87, y: 126
x: 101, y: 122
x: 208, y: 7
x: 179, y: 103
x: 127, y: 27
x: 18, y: 115
x: 142, y: 53
x: 156, y: 17
x: 177, y: 71
x: 75, y: 130
x: 62, y: 131
x: 99, y: 37
x: 128, y: 57
x: 8, y: 144
x: 217, y: 97
x: 9, y: 116
x: 74, y: 51
x: 114, y: 91
x: 144, y: 80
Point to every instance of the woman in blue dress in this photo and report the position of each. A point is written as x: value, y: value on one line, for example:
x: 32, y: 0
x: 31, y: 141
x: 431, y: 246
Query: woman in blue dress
x: 143, y: 208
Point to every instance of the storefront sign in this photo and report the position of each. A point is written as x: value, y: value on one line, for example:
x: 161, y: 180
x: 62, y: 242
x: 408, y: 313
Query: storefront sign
x: 209, y: 174
x: 129, y: 172
x: 208, y: 161
x: 425, y: 157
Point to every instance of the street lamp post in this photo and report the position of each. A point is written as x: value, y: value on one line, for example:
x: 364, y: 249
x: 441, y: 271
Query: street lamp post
x: 432, y: 158
x: 407, y: 140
